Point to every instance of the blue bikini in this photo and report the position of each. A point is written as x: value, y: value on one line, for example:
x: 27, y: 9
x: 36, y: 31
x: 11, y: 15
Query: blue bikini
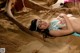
x: 55, y: 25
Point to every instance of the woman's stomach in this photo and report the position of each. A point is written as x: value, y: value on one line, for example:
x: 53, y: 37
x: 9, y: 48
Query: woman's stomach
x: 76, y: 24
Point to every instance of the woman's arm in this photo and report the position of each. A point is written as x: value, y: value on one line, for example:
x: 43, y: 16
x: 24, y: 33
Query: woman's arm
x: 62, y: 32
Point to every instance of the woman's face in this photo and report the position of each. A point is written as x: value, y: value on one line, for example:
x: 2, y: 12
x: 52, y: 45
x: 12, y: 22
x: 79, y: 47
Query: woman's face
x: 42, y: 24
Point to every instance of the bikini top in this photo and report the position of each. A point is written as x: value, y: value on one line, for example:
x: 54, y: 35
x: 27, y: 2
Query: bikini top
x: 56, y: 24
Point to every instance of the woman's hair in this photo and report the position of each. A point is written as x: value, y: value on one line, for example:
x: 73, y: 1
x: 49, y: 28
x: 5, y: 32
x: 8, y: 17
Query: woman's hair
x: 33, y: 27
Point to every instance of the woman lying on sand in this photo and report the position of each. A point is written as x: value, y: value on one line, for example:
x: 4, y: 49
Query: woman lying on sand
x: 60, y: 26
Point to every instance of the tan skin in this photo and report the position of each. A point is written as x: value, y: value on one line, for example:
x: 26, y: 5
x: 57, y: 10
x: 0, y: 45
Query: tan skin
x: 72, y: 25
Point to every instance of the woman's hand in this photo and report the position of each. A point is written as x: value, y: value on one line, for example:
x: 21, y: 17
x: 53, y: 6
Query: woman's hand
x: 62, y: 15
x: 68, y: 22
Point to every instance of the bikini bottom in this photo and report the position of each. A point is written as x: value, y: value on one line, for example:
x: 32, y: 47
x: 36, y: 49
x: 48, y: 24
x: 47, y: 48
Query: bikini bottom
x: 76, y: 34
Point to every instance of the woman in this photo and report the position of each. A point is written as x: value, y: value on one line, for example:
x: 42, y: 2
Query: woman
x: 60, y: 26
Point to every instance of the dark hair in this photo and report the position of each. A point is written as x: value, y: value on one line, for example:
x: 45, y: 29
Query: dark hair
x: 33, y: 28
x: 33, y: 25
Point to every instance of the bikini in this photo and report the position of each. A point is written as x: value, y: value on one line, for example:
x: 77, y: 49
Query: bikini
x: 56, y: 25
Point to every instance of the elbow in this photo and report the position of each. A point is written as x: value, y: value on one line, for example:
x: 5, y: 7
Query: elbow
x: 71, y: 30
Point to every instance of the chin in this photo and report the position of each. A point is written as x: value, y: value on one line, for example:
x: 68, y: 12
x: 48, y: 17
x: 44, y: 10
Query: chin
x: 46, y: 26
